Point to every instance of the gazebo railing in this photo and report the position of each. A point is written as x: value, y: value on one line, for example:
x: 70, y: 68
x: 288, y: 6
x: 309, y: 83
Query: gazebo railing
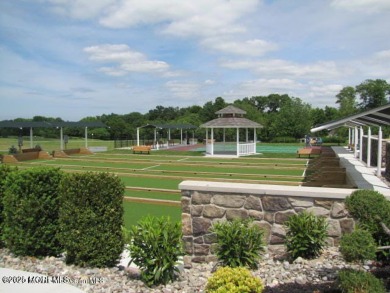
x: 247, y: 148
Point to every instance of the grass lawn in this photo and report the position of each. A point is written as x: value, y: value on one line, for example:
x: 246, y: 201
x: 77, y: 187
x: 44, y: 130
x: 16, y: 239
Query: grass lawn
x: 166, y: 169
x: 135, y: 211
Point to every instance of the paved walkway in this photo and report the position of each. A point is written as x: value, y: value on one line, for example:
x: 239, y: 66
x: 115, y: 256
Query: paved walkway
x: 364, y: 177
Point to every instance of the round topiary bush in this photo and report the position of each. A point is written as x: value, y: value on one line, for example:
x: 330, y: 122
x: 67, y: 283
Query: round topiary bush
x: 31, y: 207
x: 306, y: 235
x: 91, y: 218
x: 370, y: 208
x: 358, y: 246
x: 234, y: 280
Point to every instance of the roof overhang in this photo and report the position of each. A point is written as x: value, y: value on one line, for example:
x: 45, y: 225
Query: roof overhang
x: 379, y: 116
x: 52, y: 124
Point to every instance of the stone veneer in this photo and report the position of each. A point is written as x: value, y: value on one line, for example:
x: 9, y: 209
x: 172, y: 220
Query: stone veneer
x: 204, y: 203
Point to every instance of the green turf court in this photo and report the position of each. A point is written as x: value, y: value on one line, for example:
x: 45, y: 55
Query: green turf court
x: 155, y: 178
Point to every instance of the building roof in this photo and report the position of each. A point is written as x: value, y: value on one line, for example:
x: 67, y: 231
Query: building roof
x: 231, y: 122
x: 52, y: 124
x: 170, y: 126
x: 374, y: 117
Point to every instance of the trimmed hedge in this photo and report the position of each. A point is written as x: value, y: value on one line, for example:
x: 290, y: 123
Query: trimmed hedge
x: 31, y: 212
x: 91, y: 218
x: 4, y: 171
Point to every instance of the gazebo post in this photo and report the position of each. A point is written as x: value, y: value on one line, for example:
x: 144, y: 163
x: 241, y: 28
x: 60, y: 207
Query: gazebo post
x: 61, y: 139
x: 356, y: 136
x: 238, y: 141
x: 181, y: 135
x: 255, y: 140
x: 137, y: 136
x: 247, y: 135
x: 212, y: 141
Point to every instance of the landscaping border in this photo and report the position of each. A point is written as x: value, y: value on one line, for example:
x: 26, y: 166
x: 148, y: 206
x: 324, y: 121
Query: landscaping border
x: 204, y: 203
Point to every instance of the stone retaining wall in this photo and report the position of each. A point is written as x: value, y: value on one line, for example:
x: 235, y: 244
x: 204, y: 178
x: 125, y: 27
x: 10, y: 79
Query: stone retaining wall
x: 204, y: 203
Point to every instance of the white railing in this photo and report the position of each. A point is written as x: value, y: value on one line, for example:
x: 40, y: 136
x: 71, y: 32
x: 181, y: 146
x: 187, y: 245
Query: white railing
x: 208, y: 148
x: 246, y: 149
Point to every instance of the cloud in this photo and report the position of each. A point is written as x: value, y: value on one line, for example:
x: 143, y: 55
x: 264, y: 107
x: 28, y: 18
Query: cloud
x: 125, y: 60
x: 183, y: 90
x: 366, y: 6
x: 288, y: 69
x: 254, y: 47
x: 79, y: 9
x: 181, y: 18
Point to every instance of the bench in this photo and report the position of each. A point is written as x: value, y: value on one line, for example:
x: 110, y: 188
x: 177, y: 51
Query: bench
x: 141, y: 149
x: 308, y: 152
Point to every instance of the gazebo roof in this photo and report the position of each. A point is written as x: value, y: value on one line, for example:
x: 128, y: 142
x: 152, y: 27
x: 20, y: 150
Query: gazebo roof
x: 231, y: 110
x: 231, y: 117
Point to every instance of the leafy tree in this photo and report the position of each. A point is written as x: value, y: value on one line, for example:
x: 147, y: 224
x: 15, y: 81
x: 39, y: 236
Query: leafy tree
x: 346, y: 99
x: 373, y: 93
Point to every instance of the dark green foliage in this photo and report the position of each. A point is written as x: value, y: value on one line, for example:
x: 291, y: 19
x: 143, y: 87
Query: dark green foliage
x: 12, y: 150
x: 351, y: 281
x: 239, y: 243
x: 155, y: 247
x: 31, y: 201
x: 306, y: 235
x: 358, y: 246
x: 91, y: 217
x: 370, y: 207
x: 4, y: 171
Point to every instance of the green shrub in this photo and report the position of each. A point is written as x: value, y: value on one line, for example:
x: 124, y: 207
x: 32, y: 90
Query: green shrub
x: 369, y: 208
x: 31, y: 201
x: 358, y: 246
x: 351, y: 281
x: 4, y: 171
x: 284, y: 139
x: 306, y: 235
x: 91, y: 218
x: 155, y: 247
x: 239, y: 243
x: 234, y: 280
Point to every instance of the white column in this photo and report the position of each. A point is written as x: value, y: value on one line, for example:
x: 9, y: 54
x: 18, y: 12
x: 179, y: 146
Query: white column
x: 212, y: 141
x: 181, y: 136
x: 349, y: 137
x: 31, y: 138
x: 86, y: 136
x: 61, y: 139
x: 238, y: 142
x: 361, y: 145
x: 369, y: 147
x: 137, y: 136
x: 169, y: 134
x: 379, y: 164
x: 255, y: 139
x: 356, y: 136
x: 207, y: 139
x: 247, y: 135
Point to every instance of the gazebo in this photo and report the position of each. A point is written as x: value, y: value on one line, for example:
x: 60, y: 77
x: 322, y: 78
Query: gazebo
x: 233, y: 118
x: 156, y: 144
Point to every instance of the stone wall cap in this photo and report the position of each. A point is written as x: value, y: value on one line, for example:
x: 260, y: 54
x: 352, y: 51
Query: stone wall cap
x: 266, y: 189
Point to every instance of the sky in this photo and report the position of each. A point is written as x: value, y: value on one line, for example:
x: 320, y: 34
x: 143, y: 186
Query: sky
x: 78, y: 58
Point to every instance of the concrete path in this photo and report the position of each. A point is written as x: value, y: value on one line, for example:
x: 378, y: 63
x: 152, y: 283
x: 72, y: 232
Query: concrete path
x: 363, y: 176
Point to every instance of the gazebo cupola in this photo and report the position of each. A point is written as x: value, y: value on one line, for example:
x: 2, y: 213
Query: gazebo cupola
x: 231, y: 117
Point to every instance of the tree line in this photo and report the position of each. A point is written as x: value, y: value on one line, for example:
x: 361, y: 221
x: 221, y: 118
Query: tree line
x: 284, y: 118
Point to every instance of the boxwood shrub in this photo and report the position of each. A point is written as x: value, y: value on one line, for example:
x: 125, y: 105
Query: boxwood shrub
x: 31, y: 200
x: 351, y: 281
x: 370, y: 207
x: 4, y: 171
x: 358, y: 246
x: 91, y: 218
